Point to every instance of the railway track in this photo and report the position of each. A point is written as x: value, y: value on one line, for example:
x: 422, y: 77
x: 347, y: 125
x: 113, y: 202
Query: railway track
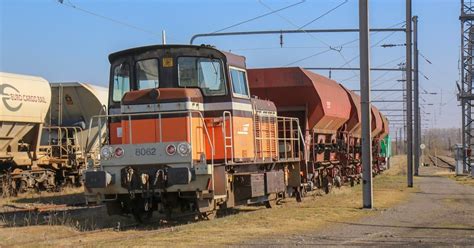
x: 444, y: 162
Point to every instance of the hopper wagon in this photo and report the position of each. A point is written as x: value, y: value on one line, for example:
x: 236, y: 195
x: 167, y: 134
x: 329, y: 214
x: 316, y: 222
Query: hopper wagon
x: 25, y: 103
x: 383, y: 143
x: 44, y: 132
x: 323, y: 108
x: 68, y: 139
x: 377, y: 131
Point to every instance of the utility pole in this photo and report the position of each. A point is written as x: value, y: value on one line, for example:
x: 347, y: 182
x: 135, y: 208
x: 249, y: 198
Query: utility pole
x: 417, y: 95
x: 409, y: 96
x: 419, y: 137
x: 367, y: 195
x: 466, y: 95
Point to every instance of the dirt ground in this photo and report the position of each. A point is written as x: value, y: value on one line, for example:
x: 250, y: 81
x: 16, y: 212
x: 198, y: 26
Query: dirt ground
x: 327, y: 220
x: 440, y: 214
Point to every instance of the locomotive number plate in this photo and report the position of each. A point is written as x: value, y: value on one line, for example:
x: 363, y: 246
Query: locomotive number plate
x: 145, y: 151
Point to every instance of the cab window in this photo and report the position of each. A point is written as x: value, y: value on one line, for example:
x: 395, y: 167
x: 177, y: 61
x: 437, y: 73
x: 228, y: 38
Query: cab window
x: 204, y: 73
x: 121, y: 81
x: 239, y: 82
x: 147, y: 74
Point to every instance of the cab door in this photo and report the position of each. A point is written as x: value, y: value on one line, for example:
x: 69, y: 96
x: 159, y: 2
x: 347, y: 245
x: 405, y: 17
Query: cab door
x: 242, y: 117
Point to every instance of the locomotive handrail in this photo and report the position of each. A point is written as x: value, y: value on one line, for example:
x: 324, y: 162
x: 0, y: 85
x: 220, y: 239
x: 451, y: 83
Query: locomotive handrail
x: 291, y: 138
x: 159, y: 114
x: 226, y: 138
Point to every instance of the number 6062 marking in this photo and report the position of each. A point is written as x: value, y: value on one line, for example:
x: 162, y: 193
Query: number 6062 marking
x: 145, y: 151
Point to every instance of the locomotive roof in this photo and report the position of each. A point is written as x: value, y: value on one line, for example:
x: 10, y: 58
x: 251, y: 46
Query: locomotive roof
x: 231, y: 59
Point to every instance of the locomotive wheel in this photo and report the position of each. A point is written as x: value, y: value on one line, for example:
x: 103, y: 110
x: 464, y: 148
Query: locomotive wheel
x: 271, y: 203
x: 206, y: 209
x: 140, y: 213
x: 142, y: 216
x: 210, y: 215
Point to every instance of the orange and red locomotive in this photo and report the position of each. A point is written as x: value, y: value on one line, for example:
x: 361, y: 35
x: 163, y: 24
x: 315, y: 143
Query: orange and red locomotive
x: 185, y: 131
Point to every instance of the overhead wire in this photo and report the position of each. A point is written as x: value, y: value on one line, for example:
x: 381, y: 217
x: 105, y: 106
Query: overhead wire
x: 260, y: 16
x: 323, y: 15
x: 372, y: 46
x: 345, y: 44
x: 337, y: 49
x: 292, y: 23
x: 69, y: 4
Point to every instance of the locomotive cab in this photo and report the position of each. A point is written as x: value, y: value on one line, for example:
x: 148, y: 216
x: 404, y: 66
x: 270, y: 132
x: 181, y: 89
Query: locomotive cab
x: 183, y: 132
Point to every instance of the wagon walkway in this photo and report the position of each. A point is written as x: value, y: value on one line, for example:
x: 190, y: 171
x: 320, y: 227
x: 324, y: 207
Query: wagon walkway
x: 440, y: 214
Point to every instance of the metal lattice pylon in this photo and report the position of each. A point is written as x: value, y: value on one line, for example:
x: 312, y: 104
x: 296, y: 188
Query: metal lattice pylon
x: 466, y: 95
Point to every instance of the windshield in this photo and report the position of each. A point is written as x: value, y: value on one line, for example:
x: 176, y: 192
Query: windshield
x: 147, y: 74
x: 205, y: 73
x: 121, y: 81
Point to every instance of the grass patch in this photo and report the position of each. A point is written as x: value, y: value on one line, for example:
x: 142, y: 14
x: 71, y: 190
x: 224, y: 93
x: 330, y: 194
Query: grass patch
x: 65, y: 196
x: 291, y: 218
x: 464, y: 179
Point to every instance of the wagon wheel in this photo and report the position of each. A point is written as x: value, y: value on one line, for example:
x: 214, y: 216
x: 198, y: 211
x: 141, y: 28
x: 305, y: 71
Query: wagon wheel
x: 352, y: 181
x: 8, y: 187
x: 299, y: 194
x: 326, y: 185
x: 338, y: 181
x: 23, y: 186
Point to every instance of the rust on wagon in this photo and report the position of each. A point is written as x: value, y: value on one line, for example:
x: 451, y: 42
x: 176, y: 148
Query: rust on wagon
x: 353, y: 124
x: 385, y: 127
x: 377, y: 124
x: 326, y: 103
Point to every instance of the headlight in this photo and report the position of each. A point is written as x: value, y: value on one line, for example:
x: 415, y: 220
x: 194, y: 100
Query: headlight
x: 106, y: 151
x: 119, y: 152
x: 171, y: 149
x: 183, y: 149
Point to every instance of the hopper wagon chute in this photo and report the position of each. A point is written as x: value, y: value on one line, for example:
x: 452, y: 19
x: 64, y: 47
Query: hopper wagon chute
x: 322, y: 106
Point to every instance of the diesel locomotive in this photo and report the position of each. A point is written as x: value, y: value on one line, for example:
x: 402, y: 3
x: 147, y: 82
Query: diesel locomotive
x: 190, y: 129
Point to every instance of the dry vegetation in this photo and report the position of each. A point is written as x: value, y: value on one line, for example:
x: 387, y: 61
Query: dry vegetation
x: 291, y: 218
x: 73, y: 196
x: 463, y: 179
